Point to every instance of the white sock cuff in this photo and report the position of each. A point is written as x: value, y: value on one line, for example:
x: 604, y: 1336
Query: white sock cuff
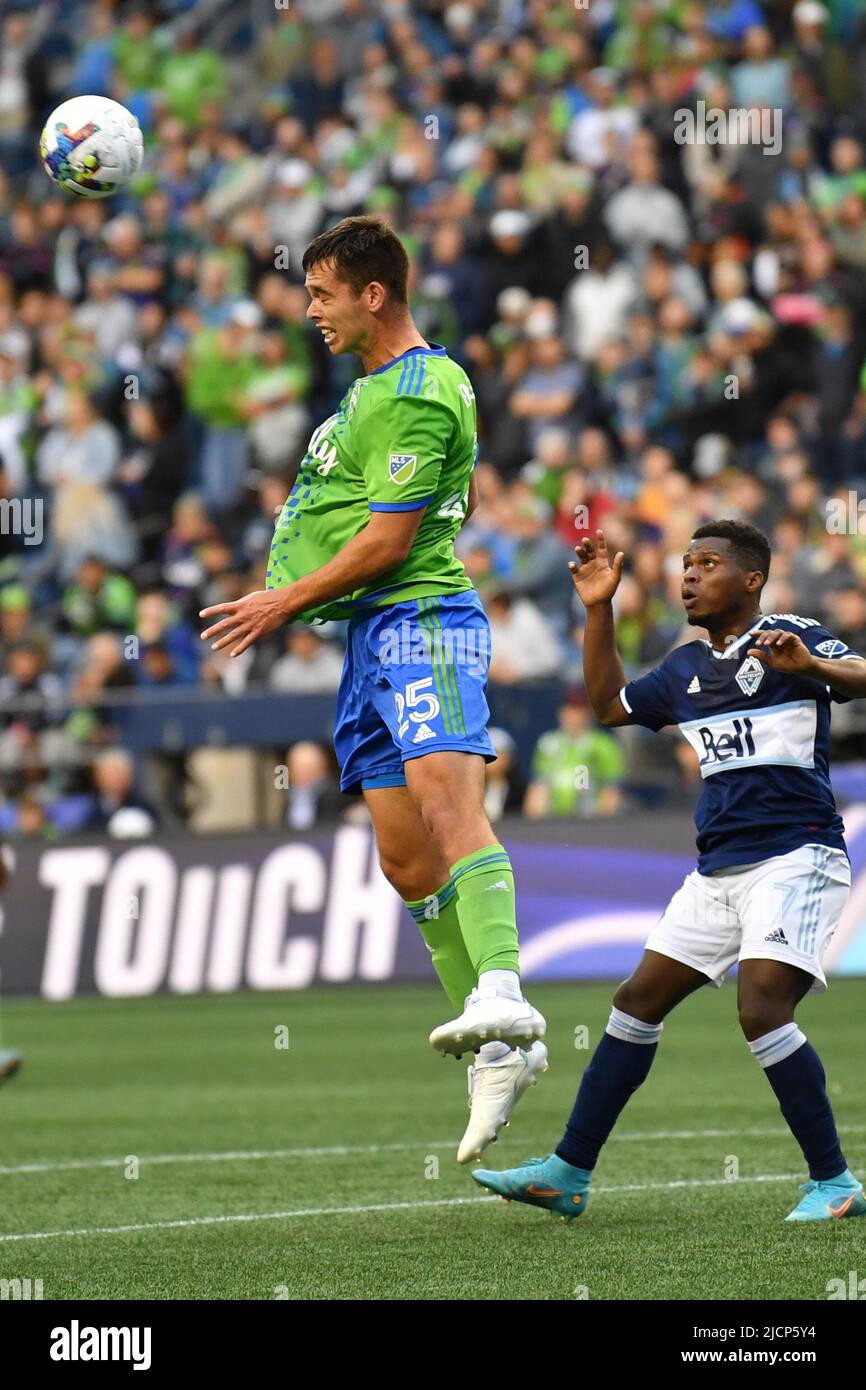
x: 490, y: 1052
x: 632, y: 1030
x: 776, y: 1046
x: 504, y: 983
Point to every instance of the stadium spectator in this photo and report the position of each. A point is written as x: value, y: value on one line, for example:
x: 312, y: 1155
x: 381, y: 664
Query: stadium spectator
x: 98, y: 598
x: 538, y: 562
x: 309, y: 666
x: 219, y: 367
x: 504, y: 783
x: 192, y: 80
x: 313, y: 795
x: 523, y: 645
x: 115, y: 806
x: 576, y: 768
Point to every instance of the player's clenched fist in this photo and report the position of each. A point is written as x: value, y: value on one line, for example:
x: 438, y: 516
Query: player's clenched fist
x: 595, y: 579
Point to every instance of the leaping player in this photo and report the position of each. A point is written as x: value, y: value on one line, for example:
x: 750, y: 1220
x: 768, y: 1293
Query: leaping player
x: 753, y: 700
x: 367, y: 533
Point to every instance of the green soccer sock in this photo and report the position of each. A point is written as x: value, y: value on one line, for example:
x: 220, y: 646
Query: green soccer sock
x: 486, y: 908
x: 439, y: 925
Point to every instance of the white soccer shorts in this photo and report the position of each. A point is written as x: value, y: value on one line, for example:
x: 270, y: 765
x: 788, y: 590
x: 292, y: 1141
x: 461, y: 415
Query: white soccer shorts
x: 785, y: 908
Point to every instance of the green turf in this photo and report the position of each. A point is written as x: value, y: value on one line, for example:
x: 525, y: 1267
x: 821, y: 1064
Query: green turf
x: 110, y: 1079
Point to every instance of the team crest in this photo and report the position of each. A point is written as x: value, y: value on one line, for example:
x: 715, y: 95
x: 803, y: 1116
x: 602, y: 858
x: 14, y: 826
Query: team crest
x: 750, y: 675
x: 401, y: 467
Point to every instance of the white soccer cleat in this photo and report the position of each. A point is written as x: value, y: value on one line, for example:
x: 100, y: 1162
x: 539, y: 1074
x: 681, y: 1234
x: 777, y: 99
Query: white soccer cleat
x: 487, y: 1017
x: 494, y: 1090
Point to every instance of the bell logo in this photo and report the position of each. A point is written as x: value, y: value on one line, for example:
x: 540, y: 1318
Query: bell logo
x: 722, y: 747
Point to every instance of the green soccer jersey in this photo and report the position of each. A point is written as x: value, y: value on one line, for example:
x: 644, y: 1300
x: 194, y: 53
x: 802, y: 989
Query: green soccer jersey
x: 403, y: 438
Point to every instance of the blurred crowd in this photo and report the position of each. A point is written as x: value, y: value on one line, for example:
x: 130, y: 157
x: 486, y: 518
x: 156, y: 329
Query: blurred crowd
x: 664, y: 321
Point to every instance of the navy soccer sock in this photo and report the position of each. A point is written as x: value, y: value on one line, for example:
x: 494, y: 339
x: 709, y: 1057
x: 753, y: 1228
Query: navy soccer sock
x: 796, y: 1075
x: 620, y: 1063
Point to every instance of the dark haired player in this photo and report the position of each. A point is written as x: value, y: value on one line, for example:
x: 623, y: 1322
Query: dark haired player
x: 772, y: 877
x: 367, y: 533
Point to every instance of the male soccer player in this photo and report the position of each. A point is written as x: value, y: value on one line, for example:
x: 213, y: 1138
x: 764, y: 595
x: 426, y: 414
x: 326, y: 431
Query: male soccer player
x: 367, y: 532
x: 753, y: 700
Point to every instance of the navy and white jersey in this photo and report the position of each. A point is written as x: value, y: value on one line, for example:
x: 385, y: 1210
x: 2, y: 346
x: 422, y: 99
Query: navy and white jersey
x: 762, y: 738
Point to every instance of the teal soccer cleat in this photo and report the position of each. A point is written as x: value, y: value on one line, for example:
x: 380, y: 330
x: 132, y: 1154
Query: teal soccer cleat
x: 830, y: 1200
x: 549, y: 1182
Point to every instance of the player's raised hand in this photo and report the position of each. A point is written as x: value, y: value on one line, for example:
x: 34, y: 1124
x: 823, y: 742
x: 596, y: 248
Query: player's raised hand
x: 594, y: 577
x: 246, y: 619
x: 782, y: 651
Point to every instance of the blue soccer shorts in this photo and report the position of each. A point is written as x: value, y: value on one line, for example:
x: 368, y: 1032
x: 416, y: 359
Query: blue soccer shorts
x: 413, y: 682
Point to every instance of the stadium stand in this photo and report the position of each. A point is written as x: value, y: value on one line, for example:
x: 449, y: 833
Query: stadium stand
x: 659, y: 332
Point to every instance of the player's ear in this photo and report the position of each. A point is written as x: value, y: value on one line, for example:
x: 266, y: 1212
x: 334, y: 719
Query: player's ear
x: 375, y: 295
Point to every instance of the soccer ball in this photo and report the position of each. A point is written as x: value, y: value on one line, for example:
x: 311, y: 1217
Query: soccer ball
x: 91, y: 146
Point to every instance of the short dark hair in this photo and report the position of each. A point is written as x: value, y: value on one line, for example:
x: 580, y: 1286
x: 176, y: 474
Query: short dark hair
x: 363, y: 249
x: 750, y: 545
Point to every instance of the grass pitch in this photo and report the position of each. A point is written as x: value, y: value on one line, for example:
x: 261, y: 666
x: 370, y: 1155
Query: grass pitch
x: 176, y: 1148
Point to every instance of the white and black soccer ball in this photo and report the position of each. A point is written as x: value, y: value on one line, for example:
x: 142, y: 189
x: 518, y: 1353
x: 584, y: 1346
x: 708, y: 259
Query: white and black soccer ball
x: 91, y: 146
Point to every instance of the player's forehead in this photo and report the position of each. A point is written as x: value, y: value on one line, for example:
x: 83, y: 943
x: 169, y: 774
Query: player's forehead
x: 323, y: 276
x: 717, y: 546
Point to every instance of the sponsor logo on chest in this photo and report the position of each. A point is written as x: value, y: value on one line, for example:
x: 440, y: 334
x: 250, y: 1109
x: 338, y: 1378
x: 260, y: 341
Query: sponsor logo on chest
x: 777, y: 734
x: 721, y: 745
x: 321, y: 448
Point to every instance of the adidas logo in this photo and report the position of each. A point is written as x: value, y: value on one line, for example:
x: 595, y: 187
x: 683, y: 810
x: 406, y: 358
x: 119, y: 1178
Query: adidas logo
x: 500, y: 884
x: 778, y: 936
x: 694, y: 686
x: 424, y: 732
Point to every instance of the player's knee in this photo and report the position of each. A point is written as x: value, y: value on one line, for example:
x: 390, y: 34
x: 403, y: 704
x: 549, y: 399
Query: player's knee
x: 441, y: 816
x: 397, y: 872
x: 413, y: 881
x: 760, y: 1014
x: 636, y: 1000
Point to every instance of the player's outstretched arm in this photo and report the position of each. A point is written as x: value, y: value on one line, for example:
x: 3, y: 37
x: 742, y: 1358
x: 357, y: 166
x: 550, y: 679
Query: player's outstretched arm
x: 785, y: 651
x: 383, y: 544
x: 596, y: 581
